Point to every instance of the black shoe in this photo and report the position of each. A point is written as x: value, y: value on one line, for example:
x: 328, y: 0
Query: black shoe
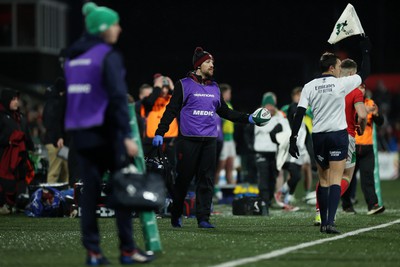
x: 322, y: 229
x: 376, y: 209
x: 205, y: 224
x: 96, y: 259
x: 330, y: 229
x: 176, y: 222
x: 350, y: 210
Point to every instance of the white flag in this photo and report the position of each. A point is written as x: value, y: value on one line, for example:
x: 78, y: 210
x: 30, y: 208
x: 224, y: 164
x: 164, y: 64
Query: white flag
x: 348, y: 24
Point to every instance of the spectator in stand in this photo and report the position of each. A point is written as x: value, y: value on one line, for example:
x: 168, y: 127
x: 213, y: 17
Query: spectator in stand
x: 228, y: 153
x: 55, y: 136
x: 15, y: 143
x: 285, y: 194
x: 396, y: 133
x: 382, y: 97
x: 144, y: 91
x: 265, y: 143
x: 220, y: 142
x: 365, y: 158
x: 153, y: 107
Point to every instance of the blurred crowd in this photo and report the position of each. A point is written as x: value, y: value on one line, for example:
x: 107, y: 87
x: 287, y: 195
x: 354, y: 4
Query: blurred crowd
x: 388, y: 134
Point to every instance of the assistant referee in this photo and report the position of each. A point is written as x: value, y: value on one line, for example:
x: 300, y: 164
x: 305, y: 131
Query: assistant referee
x: 326, y: 96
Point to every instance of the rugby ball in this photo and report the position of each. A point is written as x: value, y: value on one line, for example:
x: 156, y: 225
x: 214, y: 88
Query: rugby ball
x: 261, y: 116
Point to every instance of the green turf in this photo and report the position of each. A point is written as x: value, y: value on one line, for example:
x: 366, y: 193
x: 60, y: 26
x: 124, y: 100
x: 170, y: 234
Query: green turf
x: 56, y: 242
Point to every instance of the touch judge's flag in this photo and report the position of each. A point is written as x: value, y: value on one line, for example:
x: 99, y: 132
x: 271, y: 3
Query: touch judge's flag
x: 348, y: 24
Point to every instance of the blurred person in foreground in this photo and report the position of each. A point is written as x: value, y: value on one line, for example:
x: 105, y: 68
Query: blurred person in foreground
x: 97, y: 117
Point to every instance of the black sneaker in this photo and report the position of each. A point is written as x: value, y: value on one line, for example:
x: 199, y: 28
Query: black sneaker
x: 330, y: 229
x: 96, y: 259
x: 176, y: 222
x: 350, y: 210
x: 136, y: 256
x: 322, y: 229
x: 376, y: 209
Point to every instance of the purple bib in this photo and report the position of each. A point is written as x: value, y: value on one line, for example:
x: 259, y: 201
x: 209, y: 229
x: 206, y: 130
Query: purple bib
x: 87, y: 98
x: 198, y: 115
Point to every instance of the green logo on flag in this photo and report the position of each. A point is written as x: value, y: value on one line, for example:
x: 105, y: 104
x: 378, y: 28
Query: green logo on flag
x: 340, y: 27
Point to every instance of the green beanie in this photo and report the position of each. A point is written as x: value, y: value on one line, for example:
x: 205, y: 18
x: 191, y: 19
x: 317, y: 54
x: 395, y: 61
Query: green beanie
x: 98, y: 19
x: 268, y: 98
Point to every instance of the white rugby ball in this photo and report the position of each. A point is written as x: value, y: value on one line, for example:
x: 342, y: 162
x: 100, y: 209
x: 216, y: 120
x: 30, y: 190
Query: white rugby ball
x: 261, y: 116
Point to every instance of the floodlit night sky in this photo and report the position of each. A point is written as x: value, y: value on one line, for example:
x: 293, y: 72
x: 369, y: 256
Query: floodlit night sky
x: 258, y: 46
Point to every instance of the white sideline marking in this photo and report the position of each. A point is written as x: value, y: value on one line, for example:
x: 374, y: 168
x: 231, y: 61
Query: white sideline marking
x: 282, y: 251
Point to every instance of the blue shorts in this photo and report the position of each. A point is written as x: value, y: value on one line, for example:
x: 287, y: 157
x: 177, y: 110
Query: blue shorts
x: 330, y: 146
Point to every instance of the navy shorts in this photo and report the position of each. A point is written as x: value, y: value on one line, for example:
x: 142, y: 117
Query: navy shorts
x: 330, y: 146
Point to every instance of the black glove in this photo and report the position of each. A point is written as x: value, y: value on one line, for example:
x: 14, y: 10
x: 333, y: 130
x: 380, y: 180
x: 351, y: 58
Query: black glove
x: 365, y: 44
x: 293, y: 150
x: 277, y: 129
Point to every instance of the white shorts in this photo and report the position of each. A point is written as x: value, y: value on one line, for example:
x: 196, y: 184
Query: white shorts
x: 228, y: 150
x: 351, y: 154
x: 304, y: 158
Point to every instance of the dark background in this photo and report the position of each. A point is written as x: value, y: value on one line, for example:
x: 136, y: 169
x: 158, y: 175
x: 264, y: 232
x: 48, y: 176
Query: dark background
x: 258, y: 46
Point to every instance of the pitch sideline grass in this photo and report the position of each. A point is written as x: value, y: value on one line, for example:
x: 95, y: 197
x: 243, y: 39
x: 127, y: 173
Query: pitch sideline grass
x: 56, y: 241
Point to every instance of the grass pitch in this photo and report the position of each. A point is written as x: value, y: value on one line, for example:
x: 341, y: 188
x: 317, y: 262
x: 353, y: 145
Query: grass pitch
x: 56, y: 241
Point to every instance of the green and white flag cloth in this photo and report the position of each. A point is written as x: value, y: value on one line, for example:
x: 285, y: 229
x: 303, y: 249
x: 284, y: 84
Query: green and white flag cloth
x: 348, y: 25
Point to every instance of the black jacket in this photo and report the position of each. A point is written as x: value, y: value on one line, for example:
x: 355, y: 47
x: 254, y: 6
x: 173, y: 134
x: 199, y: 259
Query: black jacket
x: 53, y: 113
x: 11, y: 121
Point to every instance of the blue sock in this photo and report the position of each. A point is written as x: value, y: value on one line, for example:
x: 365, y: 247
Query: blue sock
x: 322, y: 195
x: 334, y: 198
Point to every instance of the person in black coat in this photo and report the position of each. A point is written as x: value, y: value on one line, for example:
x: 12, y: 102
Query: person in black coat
x: 15, y: 142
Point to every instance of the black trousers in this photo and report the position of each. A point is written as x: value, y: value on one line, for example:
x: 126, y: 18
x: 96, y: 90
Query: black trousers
x: 365, y: 163
x: 294, y: 170
x: 195, y: 159
x: 267, y: 173
x: 92, y: 165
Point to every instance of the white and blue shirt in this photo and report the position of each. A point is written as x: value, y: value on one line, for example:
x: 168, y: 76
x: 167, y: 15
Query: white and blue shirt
x: 326, y: 96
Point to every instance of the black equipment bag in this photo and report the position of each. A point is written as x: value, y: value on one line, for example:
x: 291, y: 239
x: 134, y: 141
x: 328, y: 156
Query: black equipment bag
x: 249, y: 205
x: 157, y: 162
x: 131, y: 189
